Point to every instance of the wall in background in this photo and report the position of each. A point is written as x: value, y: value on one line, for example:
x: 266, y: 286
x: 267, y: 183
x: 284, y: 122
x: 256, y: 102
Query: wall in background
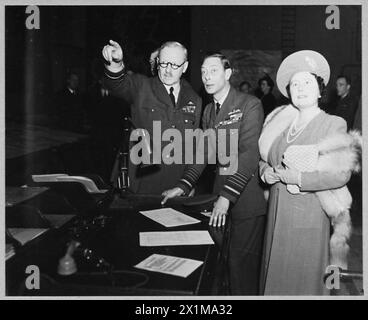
x: 37, y: 61
x: 263, y: 28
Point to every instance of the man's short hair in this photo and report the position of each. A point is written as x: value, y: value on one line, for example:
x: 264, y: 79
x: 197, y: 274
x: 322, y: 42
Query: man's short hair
x: 224, y: 60
x: 343, y: 76
x: 172, y: 44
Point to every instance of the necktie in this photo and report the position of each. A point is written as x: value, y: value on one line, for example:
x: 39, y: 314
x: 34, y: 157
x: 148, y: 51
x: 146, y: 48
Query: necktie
x: 217, y: 108
x: 171, y: 95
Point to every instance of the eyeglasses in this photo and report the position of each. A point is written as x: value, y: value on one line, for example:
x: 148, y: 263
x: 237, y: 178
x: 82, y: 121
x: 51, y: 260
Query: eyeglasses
x: 173, y: 65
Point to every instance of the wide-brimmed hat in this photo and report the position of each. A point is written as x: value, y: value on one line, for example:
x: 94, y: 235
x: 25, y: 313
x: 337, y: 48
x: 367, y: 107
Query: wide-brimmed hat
x: 304, y: 60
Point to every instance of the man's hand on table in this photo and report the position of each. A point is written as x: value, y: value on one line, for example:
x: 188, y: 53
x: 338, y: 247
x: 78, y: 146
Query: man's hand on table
x: 171, y: 193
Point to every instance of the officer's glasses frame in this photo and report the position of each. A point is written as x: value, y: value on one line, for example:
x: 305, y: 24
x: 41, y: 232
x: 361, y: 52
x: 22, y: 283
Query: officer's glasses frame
x: 173, y: 65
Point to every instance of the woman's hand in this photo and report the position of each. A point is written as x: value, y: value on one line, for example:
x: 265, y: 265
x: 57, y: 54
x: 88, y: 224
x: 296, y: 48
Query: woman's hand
x: 172, y: 193
x: 270, y: 177
x: 289, y: 175
x: 219, y: 212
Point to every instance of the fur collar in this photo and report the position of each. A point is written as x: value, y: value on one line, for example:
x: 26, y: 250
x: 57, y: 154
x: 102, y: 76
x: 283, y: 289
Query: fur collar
x: 276, y: 122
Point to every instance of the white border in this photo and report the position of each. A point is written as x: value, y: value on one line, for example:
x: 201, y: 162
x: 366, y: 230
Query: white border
x: 364, y: 42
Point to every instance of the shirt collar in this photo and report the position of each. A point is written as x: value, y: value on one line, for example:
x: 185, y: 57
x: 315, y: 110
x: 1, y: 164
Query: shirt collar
x: 222, y: 99
x: 176, y: 87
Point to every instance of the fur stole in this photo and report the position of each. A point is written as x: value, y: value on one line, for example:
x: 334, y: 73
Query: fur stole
x: 284, y: 116
x: 339, y: 153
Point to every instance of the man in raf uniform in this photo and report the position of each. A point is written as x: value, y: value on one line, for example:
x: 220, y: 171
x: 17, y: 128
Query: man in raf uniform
x: 166, y: 98
x: 239, y: 190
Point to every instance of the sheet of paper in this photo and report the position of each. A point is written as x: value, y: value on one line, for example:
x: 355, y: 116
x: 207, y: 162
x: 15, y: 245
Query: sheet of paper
x: 24, y: 235
x: 175, y: 266
x: 169, y: 217
x: 174, y: 238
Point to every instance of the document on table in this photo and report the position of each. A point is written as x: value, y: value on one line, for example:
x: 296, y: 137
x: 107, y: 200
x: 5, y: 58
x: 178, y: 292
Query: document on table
x: 181, y: 267
x: 174, y: 238
x: 169, y: 217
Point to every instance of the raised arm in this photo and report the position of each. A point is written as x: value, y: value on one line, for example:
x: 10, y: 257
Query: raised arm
x: 113, y: 55
x: 116, y: 79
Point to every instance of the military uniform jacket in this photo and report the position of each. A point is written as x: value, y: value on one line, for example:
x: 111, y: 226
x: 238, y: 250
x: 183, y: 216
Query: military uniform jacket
x: 150, y: 102
x: 244, y: 113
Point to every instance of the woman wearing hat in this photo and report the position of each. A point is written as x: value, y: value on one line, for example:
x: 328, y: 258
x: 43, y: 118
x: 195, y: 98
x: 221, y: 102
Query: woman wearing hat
x: 307, y: 158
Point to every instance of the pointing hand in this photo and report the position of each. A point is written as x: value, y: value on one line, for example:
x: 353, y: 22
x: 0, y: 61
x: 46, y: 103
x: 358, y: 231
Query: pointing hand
x: 112, y: 52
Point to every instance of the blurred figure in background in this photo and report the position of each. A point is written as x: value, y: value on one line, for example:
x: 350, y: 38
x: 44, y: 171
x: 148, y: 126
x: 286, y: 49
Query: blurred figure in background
x: 264, y: 93
x: 69, y: 112
x: 153, y: 61
x: 245, y: 87
x: 347, y: 104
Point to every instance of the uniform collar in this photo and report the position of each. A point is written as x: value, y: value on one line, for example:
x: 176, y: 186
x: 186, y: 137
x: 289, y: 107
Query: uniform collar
x: 162, y: 94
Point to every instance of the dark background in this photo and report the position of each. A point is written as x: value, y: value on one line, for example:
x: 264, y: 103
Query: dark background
x: 71, y: 38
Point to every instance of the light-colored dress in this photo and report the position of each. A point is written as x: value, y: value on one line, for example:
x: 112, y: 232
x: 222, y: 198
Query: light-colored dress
x: 296, y: 251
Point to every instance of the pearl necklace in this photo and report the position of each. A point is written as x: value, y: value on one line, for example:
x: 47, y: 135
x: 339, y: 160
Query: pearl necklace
x: 293, y: 132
